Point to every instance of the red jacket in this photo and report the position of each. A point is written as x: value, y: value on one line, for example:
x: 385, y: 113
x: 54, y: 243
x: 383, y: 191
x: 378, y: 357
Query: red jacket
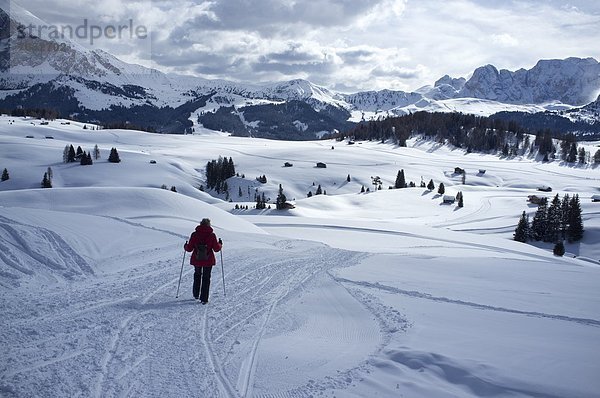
x: 203, y: 234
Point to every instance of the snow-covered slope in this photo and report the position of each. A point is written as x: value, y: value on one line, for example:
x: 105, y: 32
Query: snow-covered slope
x: 388, y: 293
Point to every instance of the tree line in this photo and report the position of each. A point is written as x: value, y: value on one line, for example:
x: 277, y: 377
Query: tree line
x: 472, y: 133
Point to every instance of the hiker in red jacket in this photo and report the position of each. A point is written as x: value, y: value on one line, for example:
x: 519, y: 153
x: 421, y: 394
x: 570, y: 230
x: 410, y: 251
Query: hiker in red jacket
x: 202, y: 243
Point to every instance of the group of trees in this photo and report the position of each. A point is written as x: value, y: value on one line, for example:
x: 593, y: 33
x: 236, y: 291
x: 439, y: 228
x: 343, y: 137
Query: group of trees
x: 473, y: 133
x: 71, y: 155
x: 217, y: 172
x: 318, y: 191
x: 261, y: 201
x: 552, y: 223
x: 38, y: 113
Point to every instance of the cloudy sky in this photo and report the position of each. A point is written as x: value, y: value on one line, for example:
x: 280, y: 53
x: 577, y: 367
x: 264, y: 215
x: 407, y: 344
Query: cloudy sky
x: 347, y: 45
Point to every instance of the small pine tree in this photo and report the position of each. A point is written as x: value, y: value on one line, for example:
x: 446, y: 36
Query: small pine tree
x: 281, y: 199
x: 553, y: 221
x: 400, y: 180
x: 581, y: 155
x: 597, y: 157
x: 46, y: 182
x: 173, y: 188
x: 114, y: 156
x: 572, y: 156
x: 66, y: 154
x: 362, y: 189
x: 522, y: 231
x: 431, y: 185
x: 461, y: 203
x: 348, y: 178
x: 540, y: 221
x: 5, y: 175
x: 575, y: 228
x: 71, y: 156
x: 441, y: 188
x: 319, y: 190
x: 86, y: 159
x: 559, y: 249
x: 309, y: 194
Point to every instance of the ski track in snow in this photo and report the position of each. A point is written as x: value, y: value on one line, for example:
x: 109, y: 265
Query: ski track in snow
x: 131, y: 303
x: 416, y: 294
x: 20, y: 248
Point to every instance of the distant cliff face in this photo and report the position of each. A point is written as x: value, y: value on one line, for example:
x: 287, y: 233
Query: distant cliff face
x: 573, y: 81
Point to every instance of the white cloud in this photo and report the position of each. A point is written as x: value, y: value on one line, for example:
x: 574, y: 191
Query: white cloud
x: 505, y: 40
x: 355, y: 44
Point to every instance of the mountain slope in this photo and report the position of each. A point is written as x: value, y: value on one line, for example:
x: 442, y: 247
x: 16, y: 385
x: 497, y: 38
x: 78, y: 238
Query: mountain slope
x: 95, y: 86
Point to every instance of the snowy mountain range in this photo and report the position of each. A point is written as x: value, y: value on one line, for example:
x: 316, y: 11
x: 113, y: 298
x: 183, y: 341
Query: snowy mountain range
x: 93, y: 85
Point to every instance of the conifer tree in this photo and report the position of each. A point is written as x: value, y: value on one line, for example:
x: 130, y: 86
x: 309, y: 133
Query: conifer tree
x: 597, y: 157
x: 441, y: 188
x: 79, y: 152
x: 572, y: 156
x: 522, y: 231
x: 71, y: 156
x: 564, y: 213
x: 240, y: 193
x: 309, y: 194
x: 96, y: 152
x: 319, y: 190
x: 5, y: 175
x: 46, y: 182
x: 559, y: 249
x: 461, y: 203
x: 575, y: 228
x: 554, y: 220
x: 581, y: 155
x: 362, y: 189
x: 281, y: 199
x: 348, y: 178
x: 431, y: 185
x: 86, y: 159
x: 66, y: 154
x: 114, y: 156
x: 400, y: 180
x: 539, y: 223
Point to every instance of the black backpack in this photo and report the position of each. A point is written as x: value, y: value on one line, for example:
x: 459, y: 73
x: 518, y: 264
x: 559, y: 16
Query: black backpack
x: 201, y: 252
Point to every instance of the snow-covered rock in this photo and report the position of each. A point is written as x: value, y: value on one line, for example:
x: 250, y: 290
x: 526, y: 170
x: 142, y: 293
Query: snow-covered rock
x: 573, y: 81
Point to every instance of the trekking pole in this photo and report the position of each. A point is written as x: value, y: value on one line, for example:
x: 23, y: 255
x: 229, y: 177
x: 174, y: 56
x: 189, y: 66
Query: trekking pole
x: 223, y: 273
x: 180, y: 273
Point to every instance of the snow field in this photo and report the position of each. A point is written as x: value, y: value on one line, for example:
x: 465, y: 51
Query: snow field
x: 389, y: 293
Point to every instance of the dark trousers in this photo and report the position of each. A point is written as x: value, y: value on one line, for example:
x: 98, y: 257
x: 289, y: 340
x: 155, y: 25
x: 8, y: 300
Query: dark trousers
x: 201, y: 282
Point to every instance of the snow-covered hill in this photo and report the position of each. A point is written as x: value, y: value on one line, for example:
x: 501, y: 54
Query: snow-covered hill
x: 387, y: 293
